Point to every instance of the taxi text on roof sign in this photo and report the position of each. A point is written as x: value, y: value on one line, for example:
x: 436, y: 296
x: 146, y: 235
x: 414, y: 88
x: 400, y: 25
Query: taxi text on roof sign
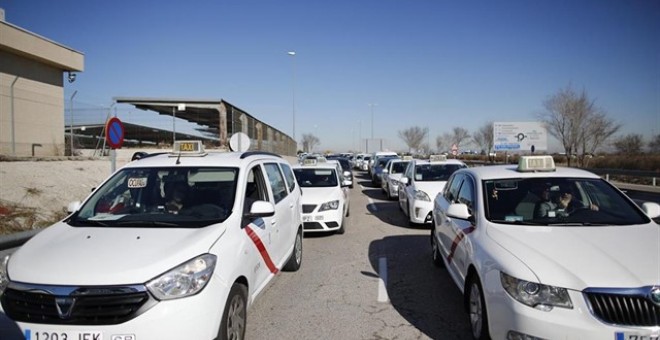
x: 437, y: 158
x: 188, y: 148
x: 536, y: 163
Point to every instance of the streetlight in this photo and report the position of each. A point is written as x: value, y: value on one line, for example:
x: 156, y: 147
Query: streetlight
x: 371, y: 105
x: 293, y: 92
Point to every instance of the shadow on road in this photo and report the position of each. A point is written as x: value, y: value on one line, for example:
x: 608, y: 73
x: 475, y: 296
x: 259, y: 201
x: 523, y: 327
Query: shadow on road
x: 420, y: 292
x: 9, y: 329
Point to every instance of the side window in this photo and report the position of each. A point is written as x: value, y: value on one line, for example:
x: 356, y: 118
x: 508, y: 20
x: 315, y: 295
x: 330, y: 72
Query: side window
x: 255, y: 188
x: 466, y: 194
x: 288, y: 173
x: 451, y: 193
x: 409, y: 170
x: 276, y: 181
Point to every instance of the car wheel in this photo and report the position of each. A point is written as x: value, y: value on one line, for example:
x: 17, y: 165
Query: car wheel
x: 435, y: 249
x: 477, y: 310
x: 348, y: 211
x: 234, y: 318
x: 294, y: 262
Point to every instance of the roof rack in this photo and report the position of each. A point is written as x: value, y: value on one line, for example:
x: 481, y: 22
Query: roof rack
x: 256, y: 153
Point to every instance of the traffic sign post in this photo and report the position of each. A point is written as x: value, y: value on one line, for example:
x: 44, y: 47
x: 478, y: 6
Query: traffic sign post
x: 114, y: 135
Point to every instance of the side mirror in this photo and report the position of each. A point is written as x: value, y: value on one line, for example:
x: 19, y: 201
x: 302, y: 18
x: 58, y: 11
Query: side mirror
x: 651, y: 209
x: 458, y: 210
x: 261, y: 209
x: 347, y: 174
x: 403, y: 180
x: 385, y: 171
x: 73, y: 207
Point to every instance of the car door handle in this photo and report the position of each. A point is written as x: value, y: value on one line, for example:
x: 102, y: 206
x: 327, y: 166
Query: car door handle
x: 273, y: 222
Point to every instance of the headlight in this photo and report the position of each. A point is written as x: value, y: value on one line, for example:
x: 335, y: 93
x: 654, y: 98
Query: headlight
x: 187, y: 279
x: 4, y: 275
x: 536, y: 295
x: 332, y: 205
x: 422, y: 196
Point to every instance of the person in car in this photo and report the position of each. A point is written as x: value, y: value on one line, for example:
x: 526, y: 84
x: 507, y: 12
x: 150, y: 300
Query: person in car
x: 558, y: 206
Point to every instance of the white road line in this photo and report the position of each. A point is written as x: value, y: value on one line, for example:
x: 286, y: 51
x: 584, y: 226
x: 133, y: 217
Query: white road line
x: 372, y: 205
x: 382, y: 282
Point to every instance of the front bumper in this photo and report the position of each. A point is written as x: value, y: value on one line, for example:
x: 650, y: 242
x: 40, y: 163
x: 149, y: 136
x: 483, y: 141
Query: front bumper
x: 421, y: 212
x: 193, y: 317
x: 329, y: 220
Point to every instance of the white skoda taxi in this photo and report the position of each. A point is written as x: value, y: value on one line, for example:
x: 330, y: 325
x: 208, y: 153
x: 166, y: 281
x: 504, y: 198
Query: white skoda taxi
x: 421, y: 182
x: 325, y: 199
x: 545, y: 252
x: 171, y: 246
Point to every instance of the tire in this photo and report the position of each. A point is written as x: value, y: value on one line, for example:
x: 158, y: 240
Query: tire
x: 234, y: 318
x: 348, y: 211
x: 435, y: 252
x: 295, y: 260
x: 476, y: 308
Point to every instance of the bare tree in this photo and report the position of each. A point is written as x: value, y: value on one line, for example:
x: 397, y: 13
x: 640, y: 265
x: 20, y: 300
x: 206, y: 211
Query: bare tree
x: 654, y: 144
x: 630, y: 144
x: 413, y: 137
x: 484, y: 138
x: 576, y: 122
x: 459, y: 135
x: 441, y: 142
x: 309, y: 141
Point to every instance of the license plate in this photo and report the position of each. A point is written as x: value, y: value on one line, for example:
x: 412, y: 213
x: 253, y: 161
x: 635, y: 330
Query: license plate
x: 635, y: 336
x: 62, y: 335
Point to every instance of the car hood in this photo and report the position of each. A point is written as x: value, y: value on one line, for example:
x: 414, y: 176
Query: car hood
x: 66, y: 255
x: 431, y: 188
x: 579, y: 257
x: 320, y: 195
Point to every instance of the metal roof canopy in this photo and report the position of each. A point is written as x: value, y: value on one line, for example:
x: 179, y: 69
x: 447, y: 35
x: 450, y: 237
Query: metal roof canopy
x: 133, y: 133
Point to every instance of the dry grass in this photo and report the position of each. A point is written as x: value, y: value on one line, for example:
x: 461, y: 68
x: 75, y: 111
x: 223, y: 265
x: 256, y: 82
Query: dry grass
x: 16, y: 218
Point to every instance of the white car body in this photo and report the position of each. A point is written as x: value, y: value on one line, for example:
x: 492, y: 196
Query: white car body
x: 416, y: 193
x: 603, y: 278
x: 68, y: 262
x: 326, y: 204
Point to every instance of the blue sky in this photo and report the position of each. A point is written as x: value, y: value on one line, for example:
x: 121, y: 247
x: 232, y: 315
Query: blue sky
x: 439, y: 64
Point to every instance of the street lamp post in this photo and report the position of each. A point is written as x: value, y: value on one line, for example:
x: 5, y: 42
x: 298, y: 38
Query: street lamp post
x: 293, y: 93
x: 371, y: 105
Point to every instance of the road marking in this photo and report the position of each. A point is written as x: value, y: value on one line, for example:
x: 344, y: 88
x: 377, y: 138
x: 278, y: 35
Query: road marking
x: 372, y: 205
x: 382, y: 281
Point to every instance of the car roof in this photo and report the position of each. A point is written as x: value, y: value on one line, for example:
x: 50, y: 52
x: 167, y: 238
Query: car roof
x: 511, y: 171
x: 449, y: 161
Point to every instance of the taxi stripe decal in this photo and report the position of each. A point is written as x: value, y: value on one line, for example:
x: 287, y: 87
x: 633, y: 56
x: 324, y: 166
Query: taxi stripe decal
x: 457, y: 240
x: 262, y: 249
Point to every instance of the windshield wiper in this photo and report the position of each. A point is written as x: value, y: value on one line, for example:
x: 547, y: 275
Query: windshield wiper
x: 147, y: 224
x: 585, y: 224
x: 83, y: 223
x: 518, y: 222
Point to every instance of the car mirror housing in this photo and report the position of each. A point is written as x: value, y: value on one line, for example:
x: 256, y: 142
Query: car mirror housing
x: 404, y: 180
x: 261, y: 209
x: 458, y: 210
x: 651, y: 209
x: 73, y: 207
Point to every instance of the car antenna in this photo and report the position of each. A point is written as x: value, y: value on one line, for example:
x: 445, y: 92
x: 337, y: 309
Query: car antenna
x: 178, y: 158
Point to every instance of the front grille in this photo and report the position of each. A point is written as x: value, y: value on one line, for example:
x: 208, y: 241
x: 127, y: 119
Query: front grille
x: 312, y: 226
x: 624, y: 307
x: 308, y: 208
x: 75, y: 305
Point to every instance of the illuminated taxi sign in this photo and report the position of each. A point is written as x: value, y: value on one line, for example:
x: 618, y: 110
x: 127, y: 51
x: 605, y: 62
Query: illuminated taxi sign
x: 188, y: 148
x: 407, y: 158
x: 437, y: 158
x: 536, y: 163
x: 309, y: 161
x: 322, y: 160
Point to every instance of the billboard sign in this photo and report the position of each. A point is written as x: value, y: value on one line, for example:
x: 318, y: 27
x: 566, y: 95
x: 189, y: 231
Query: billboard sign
x: 520, y: 136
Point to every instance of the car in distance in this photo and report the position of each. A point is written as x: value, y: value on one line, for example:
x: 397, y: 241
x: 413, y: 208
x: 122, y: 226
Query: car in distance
x: 377, y: 170
x: 171, y: 246
x: 545, y: 252
x: 325, y: 199
x: 392, y: 173
x: 347, y: 170
x: 421, y: 182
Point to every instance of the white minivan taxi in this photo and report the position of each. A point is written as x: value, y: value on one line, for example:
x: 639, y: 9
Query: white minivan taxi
x: 171, y: 246
x: 545, y: 252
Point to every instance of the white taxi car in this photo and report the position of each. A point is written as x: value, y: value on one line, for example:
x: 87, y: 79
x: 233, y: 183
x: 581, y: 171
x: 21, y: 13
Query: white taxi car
x: 171, y: 246
x: 325, y: 199
x: 391, y: 175
x: 421, y: 182
x: 545, y: 252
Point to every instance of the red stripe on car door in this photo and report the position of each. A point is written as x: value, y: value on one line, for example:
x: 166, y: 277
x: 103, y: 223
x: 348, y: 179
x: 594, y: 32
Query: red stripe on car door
x: 457, y: 240
x: 262, y: 249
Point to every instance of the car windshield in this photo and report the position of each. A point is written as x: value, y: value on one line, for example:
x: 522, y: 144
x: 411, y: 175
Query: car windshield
x: 161, y: 197
x: 435, y: 172
x: 310, y: 178
x: 383, y: 161
x: 399, y: 167
x: 558, y: 201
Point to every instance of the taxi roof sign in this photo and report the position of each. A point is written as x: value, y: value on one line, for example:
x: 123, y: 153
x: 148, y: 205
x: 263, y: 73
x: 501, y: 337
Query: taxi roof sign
x: 188, y: 148
x: 407, y: 158
x: 437, y: 158
x: 536, y: 163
